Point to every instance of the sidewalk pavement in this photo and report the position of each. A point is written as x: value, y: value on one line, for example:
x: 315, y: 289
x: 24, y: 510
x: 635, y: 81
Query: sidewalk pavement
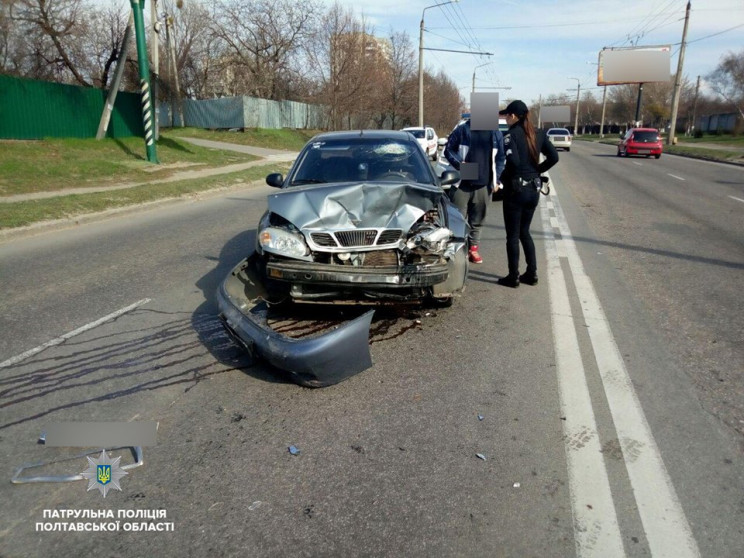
x: 267, y: 156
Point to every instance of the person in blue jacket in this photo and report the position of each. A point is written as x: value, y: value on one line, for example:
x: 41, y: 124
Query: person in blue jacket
x: 486, y: 149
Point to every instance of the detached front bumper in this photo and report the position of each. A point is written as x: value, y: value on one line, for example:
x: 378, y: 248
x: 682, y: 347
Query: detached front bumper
x: 336, y: 275
x: 314, y: 362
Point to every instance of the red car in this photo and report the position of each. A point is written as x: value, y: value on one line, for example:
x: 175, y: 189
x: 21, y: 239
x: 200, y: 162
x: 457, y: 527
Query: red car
x: 640, y: 141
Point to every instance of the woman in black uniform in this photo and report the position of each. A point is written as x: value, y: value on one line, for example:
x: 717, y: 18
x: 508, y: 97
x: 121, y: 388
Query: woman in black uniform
x: 522, y: 184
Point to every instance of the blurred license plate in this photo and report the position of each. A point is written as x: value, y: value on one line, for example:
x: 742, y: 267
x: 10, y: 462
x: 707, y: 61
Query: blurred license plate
x: 644, y: 151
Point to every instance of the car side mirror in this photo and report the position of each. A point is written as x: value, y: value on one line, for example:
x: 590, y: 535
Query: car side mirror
x: 275, y: 179
x: 449, y: 177
x: 441, y: 142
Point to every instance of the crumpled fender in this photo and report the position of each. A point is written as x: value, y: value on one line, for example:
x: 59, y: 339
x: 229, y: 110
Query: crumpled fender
x: 313, y: 362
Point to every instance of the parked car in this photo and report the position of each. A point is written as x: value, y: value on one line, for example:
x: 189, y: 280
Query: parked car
x: 360, y: 219
x: 427, y: 138
x: 560, y: 138
x: 640, y: 141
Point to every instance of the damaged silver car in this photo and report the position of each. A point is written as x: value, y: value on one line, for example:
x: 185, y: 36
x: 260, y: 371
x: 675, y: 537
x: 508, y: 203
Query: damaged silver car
x: 360, y: 219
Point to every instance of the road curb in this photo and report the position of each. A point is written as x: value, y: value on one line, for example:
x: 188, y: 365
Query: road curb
x: 44, y: 227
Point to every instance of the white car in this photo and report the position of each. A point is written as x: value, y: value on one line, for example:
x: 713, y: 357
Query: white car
x: 560, y: 137
x: 427, y: 139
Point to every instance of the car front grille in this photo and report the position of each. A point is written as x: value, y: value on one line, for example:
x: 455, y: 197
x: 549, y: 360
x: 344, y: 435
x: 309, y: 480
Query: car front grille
x: 356, y: 238
x: 362, y: 237
x: 323, y: 239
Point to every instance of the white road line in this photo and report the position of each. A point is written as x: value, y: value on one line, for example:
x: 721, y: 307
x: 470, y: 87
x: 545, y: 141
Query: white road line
x: 677, y: 177
x: 637, y: 163
x: 737, y: 199
x: 31, y: 352
x: 596, y: 530
x: 663, y: 519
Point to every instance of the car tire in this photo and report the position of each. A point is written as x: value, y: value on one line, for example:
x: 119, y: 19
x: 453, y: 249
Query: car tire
x: 657, y: 156
x: 568, y: 149
x: 445, y: 302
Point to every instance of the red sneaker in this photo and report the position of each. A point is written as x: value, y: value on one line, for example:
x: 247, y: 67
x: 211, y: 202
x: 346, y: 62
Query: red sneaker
x: 474, y: 256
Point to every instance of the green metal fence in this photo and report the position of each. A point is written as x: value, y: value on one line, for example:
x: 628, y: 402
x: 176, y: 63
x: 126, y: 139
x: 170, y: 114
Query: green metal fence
x: 32, y: 109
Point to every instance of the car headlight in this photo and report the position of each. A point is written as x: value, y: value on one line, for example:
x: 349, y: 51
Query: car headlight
x: 283, y: 242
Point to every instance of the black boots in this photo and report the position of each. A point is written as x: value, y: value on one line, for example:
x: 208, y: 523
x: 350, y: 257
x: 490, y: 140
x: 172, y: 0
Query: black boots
x: 528, y: 278
x: 509, y: 281
x: 513, y: 281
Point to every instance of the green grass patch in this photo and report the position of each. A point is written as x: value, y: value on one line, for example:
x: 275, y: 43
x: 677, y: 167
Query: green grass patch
x: 285, y: 138
x: 58, y: 164
x: 692, y: 150
x: 69, y: 206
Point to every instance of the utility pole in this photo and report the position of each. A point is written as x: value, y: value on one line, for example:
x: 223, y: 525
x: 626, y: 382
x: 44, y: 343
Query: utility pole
x: 144, y: 73
x: 121, y: 63
x: 604, y: 105
x: 155, y: 54
x: 678, y: 79
x: 638, y: 106
x: 694, y: 105
x: 174, y: 70
x: 578, y: 93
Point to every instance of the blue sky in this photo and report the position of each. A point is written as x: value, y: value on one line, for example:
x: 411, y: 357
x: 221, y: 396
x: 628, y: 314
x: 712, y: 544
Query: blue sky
x: 538, y: 45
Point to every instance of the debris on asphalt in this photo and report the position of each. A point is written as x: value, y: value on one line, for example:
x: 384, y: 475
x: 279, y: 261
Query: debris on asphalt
x: 517, y: 484
x: 254, y: 505
x: 480, y: 417
x: 293, y: 450
x: 480, y: 456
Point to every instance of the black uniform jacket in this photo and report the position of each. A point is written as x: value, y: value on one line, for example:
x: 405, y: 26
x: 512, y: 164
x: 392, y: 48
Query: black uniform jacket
x: 518, y: 161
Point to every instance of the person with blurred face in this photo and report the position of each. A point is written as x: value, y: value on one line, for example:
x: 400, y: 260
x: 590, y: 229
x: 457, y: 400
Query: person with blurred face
x: 485, y: 149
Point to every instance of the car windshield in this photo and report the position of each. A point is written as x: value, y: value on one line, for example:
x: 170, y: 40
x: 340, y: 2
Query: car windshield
x: 558, y: 132
x: 361, y: 159
x: 416, y: 133
x: 646, y: 137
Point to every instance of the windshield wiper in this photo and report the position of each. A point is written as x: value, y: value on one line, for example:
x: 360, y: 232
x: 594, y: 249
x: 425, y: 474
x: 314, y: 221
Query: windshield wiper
x: 308, y: 181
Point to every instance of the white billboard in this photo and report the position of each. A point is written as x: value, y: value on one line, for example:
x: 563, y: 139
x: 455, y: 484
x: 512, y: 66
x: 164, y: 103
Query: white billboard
x: 557, y: 114
x: 634, y: 65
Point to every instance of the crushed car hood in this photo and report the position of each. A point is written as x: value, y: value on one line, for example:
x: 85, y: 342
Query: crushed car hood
x: 389, y: 205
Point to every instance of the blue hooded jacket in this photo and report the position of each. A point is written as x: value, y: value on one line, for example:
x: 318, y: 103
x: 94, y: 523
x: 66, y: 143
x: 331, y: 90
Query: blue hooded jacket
x: 458, y: 145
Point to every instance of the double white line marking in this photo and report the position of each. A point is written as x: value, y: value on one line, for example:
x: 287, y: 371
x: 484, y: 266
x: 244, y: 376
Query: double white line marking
x: 596, y: 528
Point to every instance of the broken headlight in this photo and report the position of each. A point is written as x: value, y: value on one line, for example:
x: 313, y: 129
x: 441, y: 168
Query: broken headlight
x: 283, y: 242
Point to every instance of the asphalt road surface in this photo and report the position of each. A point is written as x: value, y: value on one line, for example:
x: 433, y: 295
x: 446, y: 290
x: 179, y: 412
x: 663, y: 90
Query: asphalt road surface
x: 606, y: 403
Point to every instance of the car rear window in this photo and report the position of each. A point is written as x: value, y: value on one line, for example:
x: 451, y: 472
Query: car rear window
x: 416, y: 133
x: 557, y: 132
x: 646, y: 137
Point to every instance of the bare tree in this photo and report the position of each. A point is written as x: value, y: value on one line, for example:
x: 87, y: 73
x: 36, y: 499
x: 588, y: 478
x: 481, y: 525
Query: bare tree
x: 443, y: 104
x: 337, y: 53
x: 397, y: 91
x: 103, y: 44
x: 261, y: 37
x: 58, y: 30
x: 727, y: 80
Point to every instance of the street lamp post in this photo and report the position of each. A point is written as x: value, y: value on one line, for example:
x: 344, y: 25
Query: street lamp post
x: 421, y: 59
x: 578, y: 92
x: 480, y: 66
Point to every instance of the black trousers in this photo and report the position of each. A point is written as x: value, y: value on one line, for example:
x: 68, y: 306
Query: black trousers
x: 519, y: 208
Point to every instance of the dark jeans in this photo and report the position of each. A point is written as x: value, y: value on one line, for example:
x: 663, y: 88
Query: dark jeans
x: 519, y: 207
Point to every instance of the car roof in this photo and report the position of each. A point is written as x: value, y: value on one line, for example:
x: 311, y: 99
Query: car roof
x: 645, y: 129
x: 414, y: 128
x: 561, y: 129
x: 353, y: 134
